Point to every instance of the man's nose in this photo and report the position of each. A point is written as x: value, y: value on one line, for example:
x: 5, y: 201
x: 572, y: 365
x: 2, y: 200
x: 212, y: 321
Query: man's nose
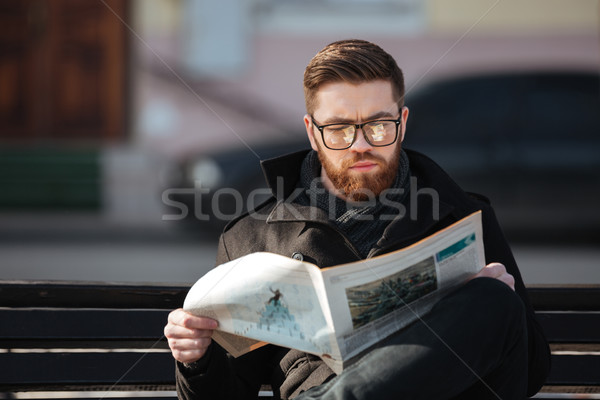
x: 360, y: 144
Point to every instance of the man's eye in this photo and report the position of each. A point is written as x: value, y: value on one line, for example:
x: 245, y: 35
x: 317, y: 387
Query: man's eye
x: 377, y: 132
x: 348, y: 135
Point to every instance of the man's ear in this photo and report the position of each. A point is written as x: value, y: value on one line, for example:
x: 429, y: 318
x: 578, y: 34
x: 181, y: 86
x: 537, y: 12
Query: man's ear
x: 310, y: 132
x: 405, y: 113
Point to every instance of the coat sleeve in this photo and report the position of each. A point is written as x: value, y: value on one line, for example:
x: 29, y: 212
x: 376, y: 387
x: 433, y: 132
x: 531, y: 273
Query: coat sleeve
x: 218, y: 375
x: 498, y: 250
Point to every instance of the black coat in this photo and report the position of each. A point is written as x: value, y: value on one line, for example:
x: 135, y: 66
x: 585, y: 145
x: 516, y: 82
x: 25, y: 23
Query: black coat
x: 292, y: 230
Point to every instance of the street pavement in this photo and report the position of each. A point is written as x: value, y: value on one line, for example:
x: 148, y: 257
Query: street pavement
x: 87, y: 249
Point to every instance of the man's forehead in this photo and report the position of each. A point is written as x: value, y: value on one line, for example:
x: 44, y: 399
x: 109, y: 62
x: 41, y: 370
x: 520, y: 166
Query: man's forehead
x: 346, y: 101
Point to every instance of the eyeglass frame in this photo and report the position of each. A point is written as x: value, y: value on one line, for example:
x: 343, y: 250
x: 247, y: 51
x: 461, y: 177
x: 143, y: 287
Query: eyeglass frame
x: 356, y: 128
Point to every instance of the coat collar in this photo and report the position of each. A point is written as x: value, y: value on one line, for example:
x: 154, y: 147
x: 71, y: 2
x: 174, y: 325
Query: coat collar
x: 420, y: 216
x: 282, y: 173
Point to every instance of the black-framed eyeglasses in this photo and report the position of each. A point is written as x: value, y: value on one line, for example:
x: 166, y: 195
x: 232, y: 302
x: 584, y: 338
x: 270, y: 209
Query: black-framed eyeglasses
x: 378, y: 133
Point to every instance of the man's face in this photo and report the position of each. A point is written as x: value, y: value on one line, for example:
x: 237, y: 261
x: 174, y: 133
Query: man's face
x: 362, y: 170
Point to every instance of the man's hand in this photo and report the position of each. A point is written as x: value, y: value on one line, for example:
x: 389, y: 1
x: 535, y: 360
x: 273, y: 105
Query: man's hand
x: 189, y: 336
x: 497, y: 271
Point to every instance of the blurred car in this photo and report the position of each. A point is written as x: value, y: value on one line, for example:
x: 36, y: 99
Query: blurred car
x: 215, y: 188
x: 528, y: 141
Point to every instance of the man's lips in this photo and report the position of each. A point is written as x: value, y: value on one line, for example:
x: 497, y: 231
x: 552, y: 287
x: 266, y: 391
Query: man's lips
x: 363, y: 166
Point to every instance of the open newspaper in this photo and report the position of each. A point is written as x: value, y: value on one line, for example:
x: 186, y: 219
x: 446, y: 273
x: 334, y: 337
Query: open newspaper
x: 340, y: 312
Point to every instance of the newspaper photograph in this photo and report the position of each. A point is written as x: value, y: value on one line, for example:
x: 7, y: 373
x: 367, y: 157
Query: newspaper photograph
x: 337, y: 312
x: 370, y: 301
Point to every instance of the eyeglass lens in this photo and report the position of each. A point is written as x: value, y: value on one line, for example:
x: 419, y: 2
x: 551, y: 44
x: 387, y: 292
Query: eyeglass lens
x: 378, y: 133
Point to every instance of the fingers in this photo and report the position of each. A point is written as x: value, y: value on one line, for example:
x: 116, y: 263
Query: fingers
x: 492, y: 270
x: 188, y: 336
x: 189, y: 350
x: 509, y: 280
x: 497, y: 271
x: 181, y: 318
x: 179, y: 332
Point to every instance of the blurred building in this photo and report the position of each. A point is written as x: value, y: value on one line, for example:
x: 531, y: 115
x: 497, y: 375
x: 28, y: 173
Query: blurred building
x: 89, y: 90
x: 238, y: 66
x: 100, y: 99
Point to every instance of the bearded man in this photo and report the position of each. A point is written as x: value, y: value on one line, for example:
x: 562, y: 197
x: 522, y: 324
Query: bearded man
x: 358, y: 194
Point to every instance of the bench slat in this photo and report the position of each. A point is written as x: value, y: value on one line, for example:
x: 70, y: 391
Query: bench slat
x: 46, y: 328
x: 101, y: 371
x: 575, y: 298
x: 575, y: 370
x: 92, y: 371
x: 37, y: 325
x: 574, y: 327
x: 103, y: 396
x: 90, y: 295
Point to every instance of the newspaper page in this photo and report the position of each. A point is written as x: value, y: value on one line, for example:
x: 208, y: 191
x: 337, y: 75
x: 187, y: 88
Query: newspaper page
x: 338, y: 312
x: 264, y: 297
x: 372, y: 299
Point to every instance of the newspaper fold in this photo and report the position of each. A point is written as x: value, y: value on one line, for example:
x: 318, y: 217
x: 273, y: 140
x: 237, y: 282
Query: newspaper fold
x: 339, y: 312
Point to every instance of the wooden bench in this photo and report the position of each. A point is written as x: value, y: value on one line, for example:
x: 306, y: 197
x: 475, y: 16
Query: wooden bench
x: 107, y: 339
x: 86, y: 337
x: 570, y: 317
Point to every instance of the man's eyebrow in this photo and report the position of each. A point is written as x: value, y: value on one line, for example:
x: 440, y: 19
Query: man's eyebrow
x: 338, y: 120
x: 379, y: 115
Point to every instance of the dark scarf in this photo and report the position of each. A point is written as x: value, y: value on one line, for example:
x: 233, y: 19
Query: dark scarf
x: 362, y: 222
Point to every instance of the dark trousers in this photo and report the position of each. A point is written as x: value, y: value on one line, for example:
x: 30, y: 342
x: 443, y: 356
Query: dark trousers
x: 472, y: 345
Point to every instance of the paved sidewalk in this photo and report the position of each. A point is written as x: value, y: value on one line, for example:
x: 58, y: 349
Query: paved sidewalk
x: 86, y: 247
x: 72, y: 246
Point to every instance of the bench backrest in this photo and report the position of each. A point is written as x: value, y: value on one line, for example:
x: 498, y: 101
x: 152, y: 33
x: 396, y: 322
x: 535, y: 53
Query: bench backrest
x: 64, y: 336
x: 570, y: 318
x: 109, y: 337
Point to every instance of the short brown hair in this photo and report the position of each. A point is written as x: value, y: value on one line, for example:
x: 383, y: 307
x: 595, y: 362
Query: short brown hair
x: 354, y: 61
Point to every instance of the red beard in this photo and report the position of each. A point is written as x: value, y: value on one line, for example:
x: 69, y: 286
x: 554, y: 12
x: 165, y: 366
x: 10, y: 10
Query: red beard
x: 366, y: 186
